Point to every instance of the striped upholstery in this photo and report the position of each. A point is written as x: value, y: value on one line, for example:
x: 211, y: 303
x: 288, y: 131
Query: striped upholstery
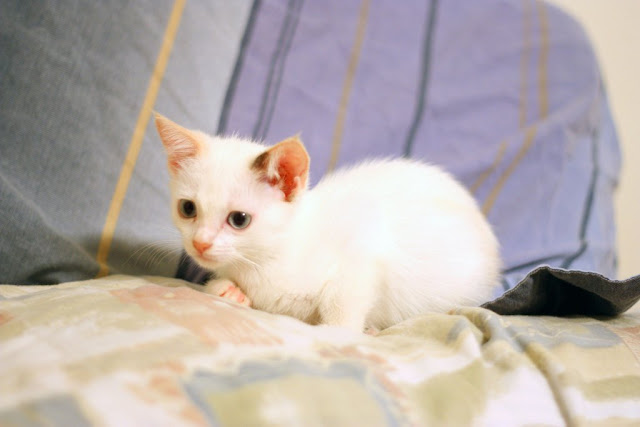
x: 83, y: 181
x: 506, y: 95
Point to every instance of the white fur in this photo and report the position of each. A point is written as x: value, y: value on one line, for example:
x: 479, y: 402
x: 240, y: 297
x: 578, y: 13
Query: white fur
x: 367, y: 247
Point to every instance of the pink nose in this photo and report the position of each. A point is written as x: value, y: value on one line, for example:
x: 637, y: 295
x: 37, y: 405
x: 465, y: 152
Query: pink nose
x: 201, y: 246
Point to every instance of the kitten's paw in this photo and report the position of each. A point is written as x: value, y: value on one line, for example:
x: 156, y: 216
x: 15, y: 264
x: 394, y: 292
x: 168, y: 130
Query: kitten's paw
x: 227, y: 289
x: 373, y: 331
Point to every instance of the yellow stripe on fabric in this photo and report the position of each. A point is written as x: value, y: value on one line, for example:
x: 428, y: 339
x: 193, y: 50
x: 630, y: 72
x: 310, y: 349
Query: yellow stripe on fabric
x: 338, y: 130
x: 544, y: 59
x: 529, y: 135
x: 136, y: 140
x: 486, y: 174
x: 524, y: 63
x: 524, y: 86
x: 543, y: 97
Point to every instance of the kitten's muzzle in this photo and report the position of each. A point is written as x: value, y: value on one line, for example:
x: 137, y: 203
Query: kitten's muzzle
x: 201, y: 247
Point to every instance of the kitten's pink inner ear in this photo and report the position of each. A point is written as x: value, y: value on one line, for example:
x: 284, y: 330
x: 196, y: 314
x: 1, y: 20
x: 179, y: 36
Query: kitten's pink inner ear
x: 181, y: 143
x: 285, y: 166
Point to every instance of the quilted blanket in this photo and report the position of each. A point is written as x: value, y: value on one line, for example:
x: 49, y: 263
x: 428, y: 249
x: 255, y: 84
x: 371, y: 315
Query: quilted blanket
x: 127, y: 350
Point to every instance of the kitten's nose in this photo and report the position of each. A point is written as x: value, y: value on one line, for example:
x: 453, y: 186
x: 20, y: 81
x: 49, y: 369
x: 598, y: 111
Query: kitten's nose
x: 201, y: 246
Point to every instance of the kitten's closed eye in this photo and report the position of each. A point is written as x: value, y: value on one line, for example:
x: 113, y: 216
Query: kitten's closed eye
x: 239, y: 220
x: 186, y: 208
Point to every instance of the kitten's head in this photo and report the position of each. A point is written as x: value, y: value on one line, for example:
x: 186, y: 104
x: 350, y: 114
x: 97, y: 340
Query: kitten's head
x: 232, y: 199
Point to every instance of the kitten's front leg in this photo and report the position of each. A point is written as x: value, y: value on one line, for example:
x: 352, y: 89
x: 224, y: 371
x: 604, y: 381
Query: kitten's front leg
x: 348, y: 299
x: 225, y: 288
x: 346, y: 312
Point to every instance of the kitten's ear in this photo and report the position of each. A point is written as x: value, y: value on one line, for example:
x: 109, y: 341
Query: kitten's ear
x: 285, y: 166
x: 181, y: 143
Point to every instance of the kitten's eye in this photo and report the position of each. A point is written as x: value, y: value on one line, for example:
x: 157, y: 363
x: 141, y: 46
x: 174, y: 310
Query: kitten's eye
x: 239, y: 220
x: 186, y: 208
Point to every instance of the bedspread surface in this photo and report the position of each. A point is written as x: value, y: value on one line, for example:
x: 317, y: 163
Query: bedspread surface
x: 129, y: 350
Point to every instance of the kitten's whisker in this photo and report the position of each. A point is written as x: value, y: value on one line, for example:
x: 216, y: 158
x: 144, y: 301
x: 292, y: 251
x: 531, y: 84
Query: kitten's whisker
x: 156, y: 252
x: 247, y: 260
x: 256, y: 255
x: 156, y: 256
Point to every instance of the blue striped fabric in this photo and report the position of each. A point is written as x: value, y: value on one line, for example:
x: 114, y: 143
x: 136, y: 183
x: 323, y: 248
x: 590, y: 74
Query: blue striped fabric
x: 73, y: 79
x: 505, y: 95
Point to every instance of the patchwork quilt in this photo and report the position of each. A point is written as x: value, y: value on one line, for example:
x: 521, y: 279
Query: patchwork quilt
x: 125, y: 350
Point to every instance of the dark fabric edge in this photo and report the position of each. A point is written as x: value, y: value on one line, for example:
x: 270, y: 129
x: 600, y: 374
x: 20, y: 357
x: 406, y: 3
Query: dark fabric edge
x: 237, y: 69
x: 554, y: 291
x: 425, y: 72
x: 281, y: 65
x: 269, y: 93
x: 586, y: 215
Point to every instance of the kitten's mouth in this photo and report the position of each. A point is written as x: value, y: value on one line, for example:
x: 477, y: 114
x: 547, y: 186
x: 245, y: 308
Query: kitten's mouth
x: 207, y: 258
x: 209, y: 261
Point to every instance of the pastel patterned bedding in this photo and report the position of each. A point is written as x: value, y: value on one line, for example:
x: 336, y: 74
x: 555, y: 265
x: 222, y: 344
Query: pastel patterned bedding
x: 127, y: 350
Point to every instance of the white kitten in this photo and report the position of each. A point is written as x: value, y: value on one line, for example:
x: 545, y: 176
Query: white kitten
x: 367, y: 248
